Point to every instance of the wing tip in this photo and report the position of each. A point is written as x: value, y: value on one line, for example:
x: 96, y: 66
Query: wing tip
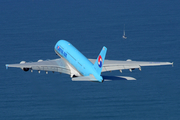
x: 6, y: 66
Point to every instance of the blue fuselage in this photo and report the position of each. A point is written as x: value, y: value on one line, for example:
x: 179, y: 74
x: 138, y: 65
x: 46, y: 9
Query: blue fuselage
x: 76, y: 59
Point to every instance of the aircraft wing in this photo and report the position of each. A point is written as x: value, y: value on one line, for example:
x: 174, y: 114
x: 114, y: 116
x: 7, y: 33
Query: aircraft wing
x: 110, y: 65
x: 56, y: 65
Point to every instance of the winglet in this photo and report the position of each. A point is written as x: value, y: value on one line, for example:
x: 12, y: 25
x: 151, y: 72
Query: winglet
x: 100, y: 60
x: 6, y: 66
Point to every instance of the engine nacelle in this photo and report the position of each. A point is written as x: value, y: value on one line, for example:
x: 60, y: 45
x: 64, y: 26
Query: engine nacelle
x: 22, y: 62
x: 25, y: 69
x: 128, y: 60
x: 72, y: 76
x: 40, y: 60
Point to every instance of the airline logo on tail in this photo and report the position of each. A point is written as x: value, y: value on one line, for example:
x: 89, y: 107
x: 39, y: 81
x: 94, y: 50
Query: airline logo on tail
x: 100, y: 61
x: 98, y: 65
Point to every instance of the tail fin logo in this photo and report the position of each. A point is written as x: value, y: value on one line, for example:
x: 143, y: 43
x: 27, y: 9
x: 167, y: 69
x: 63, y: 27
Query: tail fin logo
x: 100, y: 61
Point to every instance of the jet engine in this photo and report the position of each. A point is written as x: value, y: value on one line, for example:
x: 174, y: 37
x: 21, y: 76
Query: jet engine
x: 24, y: 69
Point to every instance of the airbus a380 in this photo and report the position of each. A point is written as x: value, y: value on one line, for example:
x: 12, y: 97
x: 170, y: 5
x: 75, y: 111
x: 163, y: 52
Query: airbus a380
x: 80, y: 68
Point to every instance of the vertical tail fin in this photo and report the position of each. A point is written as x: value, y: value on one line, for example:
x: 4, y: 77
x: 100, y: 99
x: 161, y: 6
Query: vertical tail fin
x: 100, y: 60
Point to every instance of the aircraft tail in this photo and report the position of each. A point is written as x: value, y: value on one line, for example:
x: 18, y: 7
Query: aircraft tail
x: 100, y: 60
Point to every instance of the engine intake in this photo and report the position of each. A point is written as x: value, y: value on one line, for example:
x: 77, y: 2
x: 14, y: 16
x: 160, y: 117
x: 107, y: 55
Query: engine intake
x: 25, y: 69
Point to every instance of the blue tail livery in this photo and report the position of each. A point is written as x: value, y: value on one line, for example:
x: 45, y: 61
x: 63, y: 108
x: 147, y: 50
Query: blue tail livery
x: 98, y: 65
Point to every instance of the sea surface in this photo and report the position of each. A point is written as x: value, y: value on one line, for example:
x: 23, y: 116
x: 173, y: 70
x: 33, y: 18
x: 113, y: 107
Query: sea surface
x: 29, y: 29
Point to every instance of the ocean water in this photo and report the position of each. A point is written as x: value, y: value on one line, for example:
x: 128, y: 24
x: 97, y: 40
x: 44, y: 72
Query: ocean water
x: 30, y: 29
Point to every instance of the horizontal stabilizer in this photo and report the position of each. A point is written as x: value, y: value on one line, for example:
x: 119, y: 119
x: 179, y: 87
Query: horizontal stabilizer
x: 85, y: 78
x: 114, y: 78
x: 106, y: 78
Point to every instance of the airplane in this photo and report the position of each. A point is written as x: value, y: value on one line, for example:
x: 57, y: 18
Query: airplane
x: 80, y: 68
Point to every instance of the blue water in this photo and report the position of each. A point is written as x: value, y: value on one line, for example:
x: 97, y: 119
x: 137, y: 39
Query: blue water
x: 29, y: 30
